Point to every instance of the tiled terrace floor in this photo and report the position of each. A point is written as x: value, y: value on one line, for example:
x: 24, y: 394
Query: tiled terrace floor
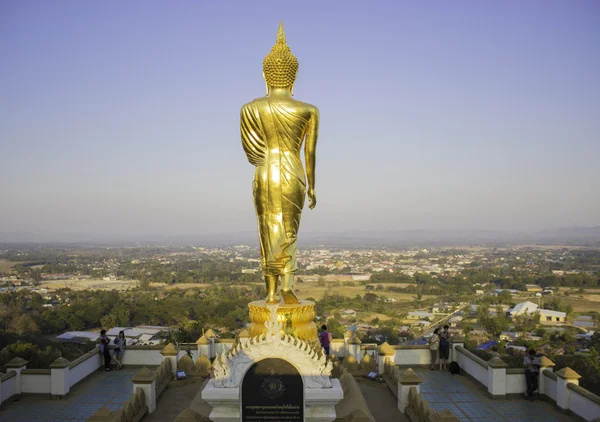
x: 465, y: 399
x: 110, y: 389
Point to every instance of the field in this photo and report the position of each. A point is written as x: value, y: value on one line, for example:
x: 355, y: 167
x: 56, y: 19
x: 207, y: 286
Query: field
x: 89, y: 284
x: 6, y: 265
x: 581, y: 302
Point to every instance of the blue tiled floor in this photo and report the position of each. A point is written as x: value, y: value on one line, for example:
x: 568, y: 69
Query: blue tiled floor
x: 444, y: 391
x: 102, y: 388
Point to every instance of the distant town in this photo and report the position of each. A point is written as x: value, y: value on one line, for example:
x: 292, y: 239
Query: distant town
x: 504, y: 300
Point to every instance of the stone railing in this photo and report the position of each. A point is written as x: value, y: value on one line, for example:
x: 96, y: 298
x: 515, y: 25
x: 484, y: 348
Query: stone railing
x: 561, y: 387
x: 391, y: 376
x: 418, y: 410
x: 56, y: 380
x: 353, y: 407
x: 199, y: 368
x: 132, y: 411
x: 476, y: 367
x: 84, y: 365
x: 583, y: 403
x: 36, y: 381
x: 8, y: 385
x: 162, y: 376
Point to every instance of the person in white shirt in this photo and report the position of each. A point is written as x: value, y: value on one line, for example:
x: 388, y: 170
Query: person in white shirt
x: 119, y: 350
x: 434, y: 347
x: 532, y: 370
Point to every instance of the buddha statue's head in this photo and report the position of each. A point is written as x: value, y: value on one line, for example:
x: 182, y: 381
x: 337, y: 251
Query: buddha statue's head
x: 280, y: 66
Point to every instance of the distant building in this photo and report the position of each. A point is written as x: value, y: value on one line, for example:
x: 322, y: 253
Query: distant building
x: 546, y: 315
x: 509, y: 335
x: 478, y: 292
x: 533, y: 288
x: 420, y: 315
x: 78, y: 337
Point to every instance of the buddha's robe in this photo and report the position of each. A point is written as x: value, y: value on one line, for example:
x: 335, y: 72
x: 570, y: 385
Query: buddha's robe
x: 272, y: 135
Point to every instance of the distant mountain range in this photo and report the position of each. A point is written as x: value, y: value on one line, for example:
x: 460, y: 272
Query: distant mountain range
x: 576, y: 236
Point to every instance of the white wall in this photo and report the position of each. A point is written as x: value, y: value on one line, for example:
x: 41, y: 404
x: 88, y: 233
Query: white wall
x: 515, y: 383
x: 222, y: 347
x: 473, y: 368
x: 583, y: 406
x: 8, y: 388
x: 35, y: 383
x: 413, y: 356
x: 143, y: 357
x: 338, y: 349
x: 550, y: 387
x: 84, y: 369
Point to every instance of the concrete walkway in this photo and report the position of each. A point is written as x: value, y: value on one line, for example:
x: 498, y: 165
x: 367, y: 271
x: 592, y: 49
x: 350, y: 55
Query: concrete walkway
x: 177, y: 397
x: 382, y: 403
x: 110, y: 389
x: 465, y: 398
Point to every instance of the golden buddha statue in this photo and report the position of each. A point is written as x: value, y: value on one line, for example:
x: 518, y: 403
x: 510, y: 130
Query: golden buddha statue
x: 273, y: 129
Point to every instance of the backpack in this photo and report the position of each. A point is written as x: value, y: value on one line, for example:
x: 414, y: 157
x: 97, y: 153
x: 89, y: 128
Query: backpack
x: 454, y: 368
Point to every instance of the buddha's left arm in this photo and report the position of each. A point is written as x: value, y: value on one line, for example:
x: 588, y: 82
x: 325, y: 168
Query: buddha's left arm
x: 310, y: 150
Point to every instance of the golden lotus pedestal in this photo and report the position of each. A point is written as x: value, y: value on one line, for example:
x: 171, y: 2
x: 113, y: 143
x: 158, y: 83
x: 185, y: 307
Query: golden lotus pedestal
x: 297, y: 320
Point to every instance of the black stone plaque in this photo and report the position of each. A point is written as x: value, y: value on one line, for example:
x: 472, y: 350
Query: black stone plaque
x: 272, y: 390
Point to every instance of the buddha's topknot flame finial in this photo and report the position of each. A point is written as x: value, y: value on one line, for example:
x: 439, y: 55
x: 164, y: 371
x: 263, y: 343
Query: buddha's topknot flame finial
x: 280, y: 34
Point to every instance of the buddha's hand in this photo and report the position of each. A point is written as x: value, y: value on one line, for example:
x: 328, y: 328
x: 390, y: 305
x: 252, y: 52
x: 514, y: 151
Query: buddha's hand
x: 312, y: 199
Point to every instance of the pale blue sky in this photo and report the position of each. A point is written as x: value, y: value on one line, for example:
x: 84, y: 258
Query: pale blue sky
x: 123, y: 117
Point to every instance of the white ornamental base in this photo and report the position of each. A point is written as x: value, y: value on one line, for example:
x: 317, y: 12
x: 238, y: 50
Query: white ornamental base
x: 319, y: 403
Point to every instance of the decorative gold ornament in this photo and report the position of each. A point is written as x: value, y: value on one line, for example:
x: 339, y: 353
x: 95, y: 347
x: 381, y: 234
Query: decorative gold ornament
x: 296, y: 319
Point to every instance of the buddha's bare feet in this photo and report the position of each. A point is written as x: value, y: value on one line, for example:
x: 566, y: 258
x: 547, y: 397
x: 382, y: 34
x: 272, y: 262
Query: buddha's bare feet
x: 289, y: 297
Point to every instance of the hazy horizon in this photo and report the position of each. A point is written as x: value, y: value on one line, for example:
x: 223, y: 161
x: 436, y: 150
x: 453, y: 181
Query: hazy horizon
x: 123, y: 118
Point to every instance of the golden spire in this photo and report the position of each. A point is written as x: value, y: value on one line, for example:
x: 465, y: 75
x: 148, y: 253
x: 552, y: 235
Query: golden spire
x: 280, y: 34
x: 280, y: 66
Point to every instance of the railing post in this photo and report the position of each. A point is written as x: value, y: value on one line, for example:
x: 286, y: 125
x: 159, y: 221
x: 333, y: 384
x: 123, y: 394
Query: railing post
x: 17, y: 364
x: 145, y: 379
x: 385, y: 351
x: 212, y: 350
x: 545, y: 363
x: 408, y: 379
x: 59, y: 378
x: 203, y: 346
x: 169, y: 352
x: 496, y: 377
x: 354, y: 346
x: 563, y: 395
x: 456, y: 341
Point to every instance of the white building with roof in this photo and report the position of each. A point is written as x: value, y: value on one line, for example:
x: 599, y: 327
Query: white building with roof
x: 78, y: 336
x: 420, y: 315
x: 546, y: 315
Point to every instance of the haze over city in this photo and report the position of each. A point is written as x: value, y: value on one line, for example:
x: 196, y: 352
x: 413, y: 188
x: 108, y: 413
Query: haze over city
x: 123, y: 119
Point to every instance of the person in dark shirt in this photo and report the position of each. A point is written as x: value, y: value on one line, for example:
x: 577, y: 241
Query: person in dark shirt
x: 532, y: 371
x: 444, y: 348
x: 104, y: 342
x: 325, y: 339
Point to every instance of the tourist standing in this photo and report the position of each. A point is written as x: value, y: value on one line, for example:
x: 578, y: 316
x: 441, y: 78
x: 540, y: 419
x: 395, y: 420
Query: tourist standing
x: 119, y: 350
x: 434, y: 345
x: 104, y: 342
x: 325, y: 339
x: 532, y: 370
x: 444, y: 348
